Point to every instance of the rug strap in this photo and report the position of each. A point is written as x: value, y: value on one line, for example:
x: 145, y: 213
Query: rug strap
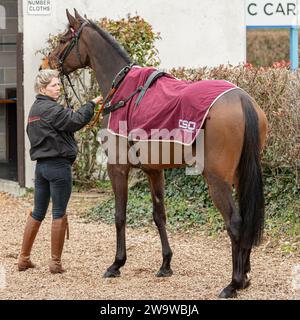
x: 153, y: 76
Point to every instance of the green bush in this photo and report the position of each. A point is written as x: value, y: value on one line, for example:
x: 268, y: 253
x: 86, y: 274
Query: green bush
x: 136, y: 36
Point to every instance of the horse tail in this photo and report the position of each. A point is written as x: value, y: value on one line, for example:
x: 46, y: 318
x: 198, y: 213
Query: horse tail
x: 250, y: 186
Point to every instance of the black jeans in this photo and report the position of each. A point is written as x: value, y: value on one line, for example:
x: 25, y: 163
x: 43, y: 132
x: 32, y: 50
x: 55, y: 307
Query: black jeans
x: 53, y: 177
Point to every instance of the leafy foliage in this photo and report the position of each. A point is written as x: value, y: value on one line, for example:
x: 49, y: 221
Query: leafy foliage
x: 136, y: 36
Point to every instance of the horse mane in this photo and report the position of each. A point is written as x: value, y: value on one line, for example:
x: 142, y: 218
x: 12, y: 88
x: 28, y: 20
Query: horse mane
x: 111, y: 40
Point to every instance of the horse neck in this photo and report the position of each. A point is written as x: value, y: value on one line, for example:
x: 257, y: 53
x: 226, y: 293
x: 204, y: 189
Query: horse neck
x: 105, y: 61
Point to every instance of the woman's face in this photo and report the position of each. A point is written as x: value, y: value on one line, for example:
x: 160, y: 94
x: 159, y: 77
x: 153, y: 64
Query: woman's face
x: 52, y: 89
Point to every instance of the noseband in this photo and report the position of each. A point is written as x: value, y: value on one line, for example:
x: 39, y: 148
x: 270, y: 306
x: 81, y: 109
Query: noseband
x: 62, y: 57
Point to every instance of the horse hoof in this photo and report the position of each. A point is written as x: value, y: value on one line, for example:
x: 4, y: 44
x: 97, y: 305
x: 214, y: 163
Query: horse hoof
x: 112, y: 274
x: 164, y: 273
x: 227, y: 293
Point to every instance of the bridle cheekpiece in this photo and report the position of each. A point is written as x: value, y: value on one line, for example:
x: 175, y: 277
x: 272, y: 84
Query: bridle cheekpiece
x: 62, y: 57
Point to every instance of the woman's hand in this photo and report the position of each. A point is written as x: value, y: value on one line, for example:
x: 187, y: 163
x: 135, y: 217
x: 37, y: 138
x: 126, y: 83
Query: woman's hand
x: 97, y: 100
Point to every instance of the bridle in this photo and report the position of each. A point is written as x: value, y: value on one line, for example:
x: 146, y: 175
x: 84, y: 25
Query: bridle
x: 62, y: 57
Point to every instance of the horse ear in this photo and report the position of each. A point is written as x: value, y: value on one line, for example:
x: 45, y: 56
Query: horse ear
x: 78, y: 16
x: 72, y: 21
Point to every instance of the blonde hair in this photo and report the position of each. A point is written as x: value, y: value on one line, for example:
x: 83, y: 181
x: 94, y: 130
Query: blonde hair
x: 43, y: 78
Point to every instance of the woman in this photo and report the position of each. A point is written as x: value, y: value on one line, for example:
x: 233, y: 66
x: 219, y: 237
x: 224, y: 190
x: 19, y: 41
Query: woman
x: 51, y: 130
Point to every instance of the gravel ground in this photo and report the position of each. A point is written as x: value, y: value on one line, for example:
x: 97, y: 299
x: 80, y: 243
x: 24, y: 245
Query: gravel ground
x: 201, y: 265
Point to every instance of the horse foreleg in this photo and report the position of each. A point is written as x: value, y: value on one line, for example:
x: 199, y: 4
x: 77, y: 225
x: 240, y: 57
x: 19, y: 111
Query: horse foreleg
x: 156, y: 180
x: 119, y: 179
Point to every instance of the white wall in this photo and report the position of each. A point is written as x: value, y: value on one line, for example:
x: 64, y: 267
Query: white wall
x: 194, y: 33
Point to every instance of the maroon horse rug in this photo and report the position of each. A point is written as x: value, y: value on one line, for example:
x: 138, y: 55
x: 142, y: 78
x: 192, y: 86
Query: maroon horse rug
x: 166, y: 110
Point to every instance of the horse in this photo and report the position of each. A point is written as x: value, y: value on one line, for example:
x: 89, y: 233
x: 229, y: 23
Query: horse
x: 234, y: 137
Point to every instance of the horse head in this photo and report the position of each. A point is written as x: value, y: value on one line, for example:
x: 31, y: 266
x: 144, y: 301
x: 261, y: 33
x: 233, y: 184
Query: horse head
x: 85, y: 44
x: 70, y: 52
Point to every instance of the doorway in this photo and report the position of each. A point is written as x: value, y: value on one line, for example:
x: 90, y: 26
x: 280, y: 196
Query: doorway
x: 8, y: 90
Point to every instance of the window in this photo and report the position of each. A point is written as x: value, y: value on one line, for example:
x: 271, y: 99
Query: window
x: 2, y: 17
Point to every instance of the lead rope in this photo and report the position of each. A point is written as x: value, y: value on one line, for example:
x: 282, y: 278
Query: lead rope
x: 72, y: 87
x: 96, y: 119
x: 67, y: 99
x: 115, y: 85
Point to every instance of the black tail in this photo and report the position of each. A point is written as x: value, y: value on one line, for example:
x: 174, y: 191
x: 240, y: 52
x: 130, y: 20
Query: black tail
x: 250, y: 188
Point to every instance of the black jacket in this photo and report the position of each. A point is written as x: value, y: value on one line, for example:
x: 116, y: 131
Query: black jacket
x: 51, y: 128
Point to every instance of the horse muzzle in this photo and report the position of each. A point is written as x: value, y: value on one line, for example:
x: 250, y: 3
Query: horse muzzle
x: 45, y: 64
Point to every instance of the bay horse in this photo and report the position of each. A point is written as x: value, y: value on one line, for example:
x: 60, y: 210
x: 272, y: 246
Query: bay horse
x: 234, y: 136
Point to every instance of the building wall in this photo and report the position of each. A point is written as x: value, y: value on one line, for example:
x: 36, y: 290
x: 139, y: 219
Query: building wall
x: 194, y: 33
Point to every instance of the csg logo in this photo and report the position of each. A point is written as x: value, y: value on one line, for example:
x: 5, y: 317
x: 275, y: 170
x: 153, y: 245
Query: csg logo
x: 187, y: 125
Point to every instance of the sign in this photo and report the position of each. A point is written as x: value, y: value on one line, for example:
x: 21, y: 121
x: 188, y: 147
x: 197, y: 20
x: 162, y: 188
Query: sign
x: 276, y: 14
x: 272, y: 13
x: 39, y: 7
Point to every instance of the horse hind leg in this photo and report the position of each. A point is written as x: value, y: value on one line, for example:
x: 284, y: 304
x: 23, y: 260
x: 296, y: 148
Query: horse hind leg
x: 156, y: 180
x: 221, y: 194
x: 241, y: 269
